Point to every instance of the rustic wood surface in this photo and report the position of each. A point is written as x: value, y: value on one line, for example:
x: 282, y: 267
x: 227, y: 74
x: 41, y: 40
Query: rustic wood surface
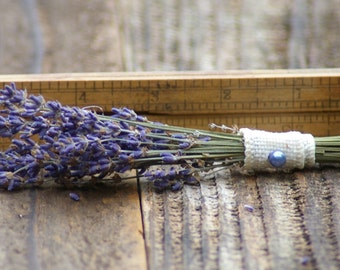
x: 44, y: 229
x: 295, y: 223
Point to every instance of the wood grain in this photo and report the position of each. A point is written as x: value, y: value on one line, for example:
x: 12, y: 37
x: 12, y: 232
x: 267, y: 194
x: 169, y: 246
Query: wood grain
x: 44, y: 229
x: 209, y: 227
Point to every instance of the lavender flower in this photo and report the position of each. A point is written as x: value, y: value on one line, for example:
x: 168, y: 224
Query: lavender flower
x: 70, y: 144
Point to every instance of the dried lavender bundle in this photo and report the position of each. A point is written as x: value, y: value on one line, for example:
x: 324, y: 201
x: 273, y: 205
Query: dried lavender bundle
x: 70, y: 145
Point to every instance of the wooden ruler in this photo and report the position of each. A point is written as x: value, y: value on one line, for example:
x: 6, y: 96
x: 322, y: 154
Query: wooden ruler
x: 304, y: 100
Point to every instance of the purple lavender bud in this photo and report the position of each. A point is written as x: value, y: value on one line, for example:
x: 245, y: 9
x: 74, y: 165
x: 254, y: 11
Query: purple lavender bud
x: 179, y: 136
x: 249, y: 208
x: 140, y: 128
x: 54, y: 106
x: 132, y: 144
x: 33, y: 170
x: 28, y: 113
x: 104, y: 161
x: 38, y: 125
x: 141, y: 118
x: 148, y: 174
x: 177, y: 186
x: 159, y: 173
x: 115, y: 110
x: 49, y: 114
x: 3, y: 121
x: 94, y: 169
x: 101, y: 168
x: 191, y: 179
x: 124, y: 115
x: 123, y: 168
x: 205, y: 139
x: 74, y: 196
x: 80, y: 146
x: 124, y: 125
x: 3, y: 178
x: 158, y: 131
x: 13, y: 184
x: 30, y: 141
x: 112, y: 148
x: 5, y: 133
x: 39, y: 154
x: 30, y: 106
x: 18, y: 97
x: 92, y: 137
x: 48, y: 139
x: 137, y: 154
x: 46, y: 146
x: 123, y: 157
x: 113, y: 127
x: 19, y: 143
x: 185, y: 145
x: 38, y: 100
x: 53, y: 131
x: 98, y: 154
x: 15, y: 120
x: 168, y: 157
x: 185, y: 172
x: 67, y: 150
x: 133, y: 115
x: 69, y: 126
x: 77, y: 172
x: 8, y: 91
x: 172, y: 173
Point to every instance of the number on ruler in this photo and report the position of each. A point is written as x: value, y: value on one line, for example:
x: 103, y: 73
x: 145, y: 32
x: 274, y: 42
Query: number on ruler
x: 154, y: 96
x: 82, y: 96
x: 226, y: 94
x: 168, y: 107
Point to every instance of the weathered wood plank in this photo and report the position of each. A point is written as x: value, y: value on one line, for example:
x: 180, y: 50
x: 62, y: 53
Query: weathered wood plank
x: 322, y: 216
x: 15, y: 228
x: 102, y: 230
x: 293, y: 222
x: 252, y: 228
x: 288, y: 241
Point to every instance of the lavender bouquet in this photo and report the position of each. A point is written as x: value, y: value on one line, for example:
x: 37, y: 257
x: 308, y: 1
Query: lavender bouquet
x: 73, y: 145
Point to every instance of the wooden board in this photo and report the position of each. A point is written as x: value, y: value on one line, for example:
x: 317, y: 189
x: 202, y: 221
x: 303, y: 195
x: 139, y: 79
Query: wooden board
x: 295, y: 223
x: 44, y: 229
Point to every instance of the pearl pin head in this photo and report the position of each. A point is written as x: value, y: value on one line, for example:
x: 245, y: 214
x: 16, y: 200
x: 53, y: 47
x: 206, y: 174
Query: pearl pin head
x: 277, y: 158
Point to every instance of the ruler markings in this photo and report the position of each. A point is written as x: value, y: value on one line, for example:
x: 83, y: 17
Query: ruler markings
x: 228, y: 97
x: 306, y: 99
